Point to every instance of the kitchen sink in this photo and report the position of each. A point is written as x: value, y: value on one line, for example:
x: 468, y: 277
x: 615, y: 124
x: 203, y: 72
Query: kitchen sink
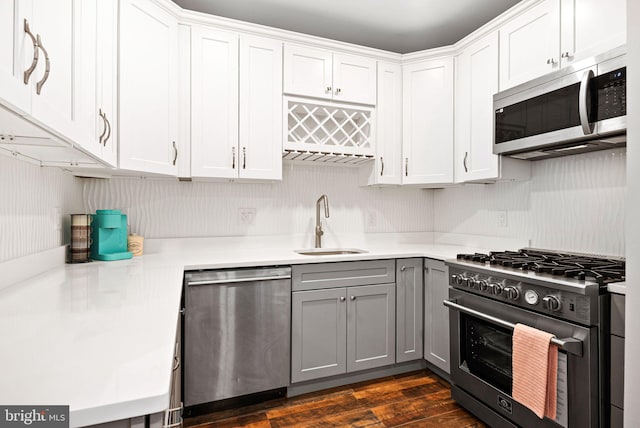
x: 329, y: 251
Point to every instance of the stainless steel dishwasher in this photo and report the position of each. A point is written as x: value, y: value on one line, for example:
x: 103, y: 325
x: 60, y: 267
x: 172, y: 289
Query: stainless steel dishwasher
x: 237, y: 333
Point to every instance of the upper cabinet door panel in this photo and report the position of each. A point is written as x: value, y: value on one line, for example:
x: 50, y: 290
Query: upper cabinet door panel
x: 354, y: 79
x: 590, y: 27
x: 529, y: 44
x: 389, y: 124
x: 428, y: 122
x: 148, y: 88
x: 16, y: 54
x: 214, y: 79
x: 260, y: 108
x: 307, y: 72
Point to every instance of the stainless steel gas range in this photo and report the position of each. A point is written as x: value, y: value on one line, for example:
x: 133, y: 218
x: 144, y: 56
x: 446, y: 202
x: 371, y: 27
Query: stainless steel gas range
x: 561, y: 293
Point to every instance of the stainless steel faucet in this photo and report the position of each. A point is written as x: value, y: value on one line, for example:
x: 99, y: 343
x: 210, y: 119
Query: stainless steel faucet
x: 319, y: 231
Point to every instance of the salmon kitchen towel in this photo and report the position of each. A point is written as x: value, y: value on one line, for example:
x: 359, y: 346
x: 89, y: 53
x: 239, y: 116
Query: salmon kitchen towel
x: 535, y: 370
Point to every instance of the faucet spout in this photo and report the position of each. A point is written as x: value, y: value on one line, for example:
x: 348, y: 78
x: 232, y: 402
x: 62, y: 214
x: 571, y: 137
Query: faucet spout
x: 318, y: 231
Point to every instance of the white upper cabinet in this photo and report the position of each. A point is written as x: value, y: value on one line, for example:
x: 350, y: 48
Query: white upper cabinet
x: 427, y: 114
x: 214, y: 103
x: 260, y: 108
x: 236, y: 105
x: 16, y: 54
x: 590, y: 27
x: 386, y: 169
x: 529, y: 44
x: 555, y: 33
x: 148, y: 88
x: 319, y: 73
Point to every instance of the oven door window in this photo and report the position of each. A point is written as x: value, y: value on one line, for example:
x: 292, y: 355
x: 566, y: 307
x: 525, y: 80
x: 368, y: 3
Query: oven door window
x: 486, y: 351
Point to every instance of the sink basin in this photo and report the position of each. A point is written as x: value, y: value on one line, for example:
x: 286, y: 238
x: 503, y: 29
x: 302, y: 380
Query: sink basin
x: 329, y: 251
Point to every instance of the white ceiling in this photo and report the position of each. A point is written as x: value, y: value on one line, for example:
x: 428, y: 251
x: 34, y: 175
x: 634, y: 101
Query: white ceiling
x: 394, y: 25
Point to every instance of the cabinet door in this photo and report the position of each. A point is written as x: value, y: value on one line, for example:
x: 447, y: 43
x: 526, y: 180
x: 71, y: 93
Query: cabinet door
x: 354, y: 79
x: 260, y: 108
x: 52, y: 82
x: 16, y: 54
x: 436, y: 316
x: 530, y: 44
x: 307, y: 72
x: 389, y: 125
x: 214, y: 108
x: 428, y: 122
x: 476, y: 82
x: 318, y: 334
x: 370, y: 326
x: 591, y: 27
x: 148, y: 88
x: 107, y: 79
x: 409, y: 309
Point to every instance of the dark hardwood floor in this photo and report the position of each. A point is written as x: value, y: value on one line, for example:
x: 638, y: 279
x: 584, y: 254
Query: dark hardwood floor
x: 417, y: 399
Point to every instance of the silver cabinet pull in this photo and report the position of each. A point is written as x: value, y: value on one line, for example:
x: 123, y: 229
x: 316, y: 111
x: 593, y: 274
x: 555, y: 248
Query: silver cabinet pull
x: 381, y: 166
x: 403, y: 268
x: 175, y: 156
x: 583, y: 103
x: 47, y: 66
x: 176, y: 362
x: 464, y: 161
x: 565, y: 55
x: 104, y: 121
x: 109, y: 134
x: 406, y: 167
x: 328, y: 90
x: 342, y: 299
x: 36, y: 53
x: 244, y: 158
x: 338, y: 91
x: 353, y: 297
x: 551, y: 61
x: 233, y: 158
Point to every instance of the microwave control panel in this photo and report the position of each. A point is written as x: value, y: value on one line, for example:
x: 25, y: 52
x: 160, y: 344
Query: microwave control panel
x: 611, y: 96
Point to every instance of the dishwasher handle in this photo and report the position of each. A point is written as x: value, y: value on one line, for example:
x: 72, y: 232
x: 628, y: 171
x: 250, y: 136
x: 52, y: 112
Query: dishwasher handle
x: 236, y: 280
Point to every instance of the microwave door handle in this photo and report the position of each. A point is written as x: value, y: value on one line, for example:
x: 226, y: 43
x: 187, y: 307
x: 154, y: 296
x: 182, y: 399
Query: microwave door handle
x: 569, y: 345
x: 583, y: 102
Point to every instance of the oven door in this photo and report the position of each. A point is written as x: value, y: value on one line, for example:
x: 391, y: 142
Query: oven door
x: 481, y: 351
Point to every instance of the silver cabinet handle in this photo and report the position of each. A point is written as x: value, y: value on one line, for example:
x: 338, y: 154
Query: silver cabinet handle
x: 36, y: 53
x: 342, y: 299
x: 328, y: 89
x: 244, y: 158
x: 233, y: 158
x: 551, y: 61
x: 176, y: 363
x: 104, y: 121
x: 381, y: 166
x: 406, y: 167
x: 109, y: 134
x: 338, y: 91
x: 464, y: 161
x: 403, y: 268
x: 47, y: 66
x: 565, y: 55
x: 569, y: 344
x: 583, y: 103
x: 353, y: 297
x: 175, y: 156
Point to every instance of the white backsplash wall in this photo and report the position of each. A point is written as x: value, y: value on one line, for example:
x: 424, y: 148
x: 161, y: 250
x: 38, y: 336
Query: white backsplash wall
x: 35, y: 204
x: 168, y: 208
x: 573, y: 203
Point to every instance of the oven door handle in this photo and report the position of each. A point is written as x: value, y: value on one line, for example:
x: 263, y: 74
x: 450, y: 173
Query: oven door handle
x: 569, y: 345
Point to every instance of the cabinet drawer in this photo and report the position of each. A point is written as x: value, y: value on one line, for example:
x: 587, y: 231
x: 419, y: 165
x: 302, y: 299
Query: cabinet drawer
x: 344, y: 274
x: 617, y: 314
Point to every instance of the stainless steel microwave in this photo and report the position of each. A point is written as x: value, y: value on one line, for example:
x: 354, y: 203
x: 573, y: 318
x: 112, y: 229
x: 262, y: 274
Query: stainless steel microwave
x: 580, y: 108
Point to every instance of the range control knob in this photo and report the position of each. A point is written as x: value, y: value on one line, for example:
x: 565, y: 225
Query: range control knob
x: 483, y: 284
x: 473, y: 283
x: 512, y: 293
x: 496, y: 289
x: 456, y: 279
x: 551, y: 303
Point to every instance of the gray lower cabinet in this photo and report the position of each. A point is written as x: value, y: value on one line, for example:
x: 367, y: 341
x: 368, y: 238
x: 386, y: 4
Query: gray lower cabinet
x: 436, y: 316
x: 409, y: 309
x: 343, y: 318
x: 616, y: 367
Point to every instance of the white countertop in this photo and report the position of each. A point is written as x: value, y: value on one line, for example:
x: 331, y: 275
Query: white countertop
x: 617, y: 287
x: 99, y: 336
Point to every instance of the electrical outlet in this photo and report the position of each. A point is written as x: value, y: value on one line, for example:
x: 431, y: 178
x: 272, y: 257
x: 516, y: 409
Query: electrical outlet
x: 246, y: 215
x: 371, y: 219
x: 57, y: 219
x: 502, y: 219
